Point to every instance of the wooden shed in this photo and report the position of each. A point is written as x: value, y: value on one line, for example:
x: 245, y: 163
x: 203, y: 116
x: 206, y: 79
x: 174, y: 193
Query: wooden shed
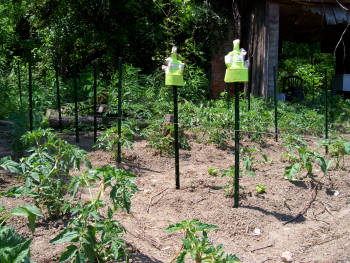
x: 266, y: 23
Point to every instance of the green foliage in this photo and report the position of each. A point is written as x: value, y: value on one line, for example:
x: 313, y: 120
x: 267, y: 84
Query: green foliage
x: 46, y: 170
x: 96, y: 238
x: 200, y: 248
x: 109, y: 139
x: 212, y: 171
x: 307, y: 62
x: 161, y: 137
x: 163, y: 143
x: 29, y: 211
x: 338, y: 148
x: 301, y: 158
x: 230, y: 187
x: 19, y: 128
x: 14, y: 248
x: 260, y: 189
x: 249, y: 157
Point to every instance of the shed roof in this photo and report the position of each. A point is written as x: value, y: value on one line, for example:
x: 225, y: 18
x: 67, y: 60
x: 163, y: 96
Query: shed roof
x: 333, y: 14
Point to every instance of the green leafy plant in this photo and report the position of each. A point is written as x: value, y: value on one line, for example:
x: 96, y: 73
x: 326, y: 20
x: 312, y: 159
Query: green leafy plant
x: 162, y: 138
x: 46, y: 170
x: 260, y: 189
x: 93, y: 237
x: 13, y: 246
x: 163, y: 143
x: 109, y: 139
x: 200, y: 248
x: 249, y: 157
x: 338, y: 148
x: 29, y: 211
x: 212, y: 172
x: 230, y: 187
x: 301, y: 158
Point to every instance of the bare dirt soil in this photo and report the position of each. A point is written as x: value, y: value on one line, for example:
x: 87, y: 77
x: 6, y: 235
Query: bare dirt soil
x: 255, y: 232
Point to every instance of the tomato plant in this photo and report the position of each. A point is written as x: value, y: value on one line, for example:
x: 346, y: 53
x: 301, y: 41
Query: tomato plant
x: 200, y: 248
x: 46, y: 170
x: 94, y: 237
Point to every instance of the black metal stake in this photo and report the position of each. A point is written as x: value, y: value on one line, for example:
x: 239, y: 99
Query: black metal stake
x: 275, y: 104
x: 120, y: 71
x: 176, y: 136
x: 236, y: 195
x: 326, y: 107
x: 95, y: 103
x: 313, y: 91
x: 30, y: 93
x: 227, y: 88
x: 76, y: 104
x: 58, y: 99
x: 19, y: 84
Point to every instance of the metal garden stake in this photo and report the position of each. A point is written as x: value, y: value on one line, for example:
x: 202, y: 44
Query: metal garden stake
x: 174, y: 77
x: 120, y: 76
x: 76, y: 104
x: 58, y: 98
x: 236, y: 72
x: 95, y: 103
x: 30, y: 92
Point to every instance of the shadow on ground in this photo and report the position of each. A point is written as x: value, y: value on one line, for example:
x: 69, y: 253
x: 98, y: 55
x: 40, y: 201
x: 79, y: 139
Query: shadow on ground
x: 280, y: 216
x: 139, y: 257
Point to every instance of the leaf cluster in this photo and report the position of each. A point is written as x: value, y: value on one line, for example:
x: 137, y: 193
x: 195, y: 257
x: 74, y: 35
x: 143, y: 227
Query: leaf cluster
x: 301, y: 158
x: 46, y: 171
x: 94, y: 237
x: 199, y: 247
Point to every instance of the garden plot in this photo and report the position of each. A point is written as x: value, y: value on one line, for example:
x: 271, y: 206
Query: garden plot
x: 255, y: 232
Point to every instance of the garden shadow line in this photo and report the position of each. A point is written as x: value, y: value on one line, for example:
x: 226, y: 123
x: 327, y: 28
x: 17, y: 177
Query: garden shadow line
x: 139, y: 257
x: 280, y: 216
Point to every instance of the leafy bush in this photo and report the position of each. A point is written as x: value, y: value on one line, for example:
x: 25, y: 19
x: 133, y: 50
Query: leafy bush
x: 46, y: 170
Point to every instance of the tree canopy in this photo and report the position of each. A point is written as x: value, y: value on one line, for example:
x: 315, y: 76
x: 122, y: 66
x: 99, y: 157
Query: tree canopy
x: 82, y: 31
